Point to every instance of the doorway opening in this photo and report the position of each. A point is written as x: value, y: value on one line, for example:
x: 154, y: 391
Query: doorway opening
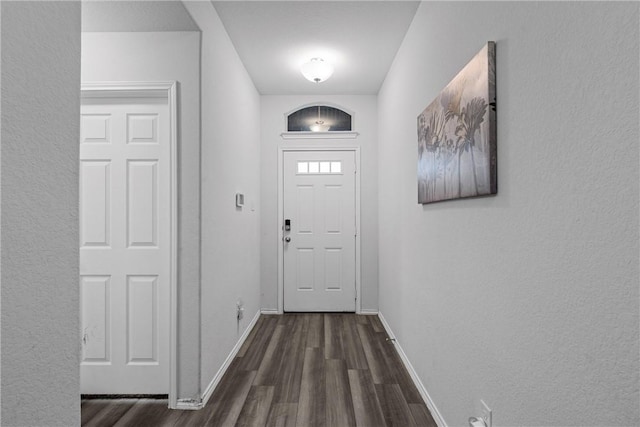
x: 128, y: 239
x: 319, y: 239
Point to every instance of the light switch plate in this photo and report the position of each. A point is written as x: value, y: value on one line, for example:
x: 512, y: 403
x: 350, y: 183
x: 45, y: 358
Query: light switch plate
x: 239, y: 200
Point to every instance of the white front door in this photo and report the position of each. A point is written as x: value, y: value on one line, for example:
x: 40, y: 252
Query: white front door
x: 319, y: 247
x: 125, y: 245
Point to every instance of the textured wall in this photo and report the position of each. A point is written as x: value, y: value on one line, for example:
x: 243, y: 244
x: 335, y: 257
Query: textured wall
x: 273, y: 124
x: 230, y: 164
x: 40, y: 131
x: 166, y: 56
x: 529, y: 299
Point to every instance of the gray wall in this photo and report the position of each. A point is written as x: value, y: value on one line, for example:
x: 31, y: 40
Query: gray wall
x: 529, y: 299
x: 230, y: 162
x: 39, y: 173
x: 274, y: 109
x: 167, y: 56
x: 135, y: 15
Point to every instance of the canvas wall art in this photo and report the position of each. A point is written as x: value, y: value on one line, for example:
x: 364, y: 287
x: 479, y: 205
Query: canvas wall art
x: 457, y: 135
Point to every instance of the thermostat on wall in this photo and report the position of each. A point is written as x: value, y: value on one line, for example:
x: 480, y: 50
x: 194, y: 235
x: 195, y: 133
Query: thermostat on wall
x: 239, y: 200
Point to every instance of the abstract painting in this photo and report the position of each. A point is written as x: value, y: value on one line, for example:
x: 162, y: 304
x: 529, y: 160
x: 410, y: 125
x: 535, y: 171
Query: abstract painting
x: 457, y: 135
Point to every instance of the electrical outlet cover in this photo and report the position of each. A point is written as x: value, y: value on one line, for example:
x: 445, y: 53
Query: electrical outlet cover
x: 485, y: 413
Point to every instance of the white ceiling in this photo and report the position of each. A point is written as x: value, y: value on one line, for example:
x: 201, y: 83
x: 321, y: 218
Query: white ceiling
x: 274, y: 38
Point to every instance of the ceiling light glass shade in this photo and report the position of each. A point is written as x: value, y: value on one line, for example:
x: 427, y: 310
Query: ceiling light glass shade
x: 316, y: 70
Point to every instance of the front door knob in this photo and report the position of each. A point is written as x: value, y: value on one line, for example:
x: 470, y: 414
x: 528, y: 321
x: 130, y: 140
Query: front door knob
x: 287, y: 239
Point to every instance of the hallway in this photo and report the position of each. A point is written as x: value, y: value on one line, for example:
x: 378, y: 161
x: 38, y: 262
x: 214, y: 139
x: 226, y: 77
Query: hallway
x: 295, y: 369
x: 522, y: 306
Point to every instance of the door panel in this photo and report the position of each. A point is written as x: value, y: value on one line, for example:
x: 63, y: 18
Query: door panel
x: 95, y: 210
x: 332, y: 213
x: 96, y: 128
x: 306, y: 206
x: 319, y: 258
x: 333, y: 268
x: 305, y: 277
x: 142, y: 320
x: 125, y: 245
x: 142, y: 206
x: 142, y: 128
x: 94, y: 291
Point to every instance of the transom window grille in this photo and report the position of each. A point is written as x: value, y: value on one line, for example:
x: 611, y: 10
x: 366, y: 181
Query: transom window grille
x: 319, y: 118
x: 322, y: 167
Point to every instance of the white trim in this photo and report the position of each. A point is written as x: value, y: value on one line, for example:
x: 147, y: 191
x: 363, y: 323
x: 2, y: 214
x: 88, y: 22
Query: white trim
x: 188, y: 405
x: 437, y: 416
x: 322, y: 104
x: 223, y: 369
x: 269, y: 311
x: 173, y: 297
x: 278, y: 225
x: 126, y: 89
x: 168, y: 90
x: 358, y: 232
x: 368, y: 312
x: 320, y: 135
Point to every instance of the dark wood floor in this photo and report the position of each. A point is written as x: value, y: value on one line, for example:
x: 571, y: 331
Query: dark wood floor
x: 294, y: 370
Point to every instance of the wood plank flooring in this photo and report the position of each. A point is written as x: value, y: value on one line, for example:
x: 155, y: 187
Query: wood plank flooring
x: 306, y: 370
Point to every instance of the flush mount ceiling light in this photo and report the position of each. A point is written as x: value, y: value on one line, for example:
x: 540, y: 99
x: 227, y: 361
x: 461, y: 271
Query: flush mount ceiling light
x: 316, y: 70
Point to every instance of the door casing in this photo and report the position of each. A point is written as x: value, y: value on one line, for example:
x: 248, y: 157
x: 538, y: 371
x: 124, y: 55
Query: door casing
x: 166, y: 90
x: 281, y: 151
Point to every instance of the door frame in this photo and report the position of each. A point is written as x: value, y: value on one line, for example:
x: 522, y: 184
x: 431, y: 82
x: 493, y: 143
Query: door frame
x: 169, y: 91
x: 281, y: 151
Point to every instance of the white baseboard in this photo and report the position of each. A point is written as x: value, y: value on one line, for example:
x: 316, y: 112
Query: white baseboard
x: 414, y: 376
x: 189, y: 404
x: 368, y: 311
x: 218, y: 376
x: 270, y: 311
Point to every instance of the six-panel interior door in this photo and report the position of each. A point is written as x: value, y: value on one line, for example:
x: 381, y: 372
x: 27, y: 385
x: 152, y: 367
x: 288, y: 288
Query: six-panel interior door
x: 319, y: 249
x: 125, y: 247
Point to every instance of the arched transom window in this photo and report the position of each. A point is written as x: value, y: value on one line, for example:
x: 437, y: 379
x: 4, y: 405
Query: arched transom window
x: 319, y: 118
